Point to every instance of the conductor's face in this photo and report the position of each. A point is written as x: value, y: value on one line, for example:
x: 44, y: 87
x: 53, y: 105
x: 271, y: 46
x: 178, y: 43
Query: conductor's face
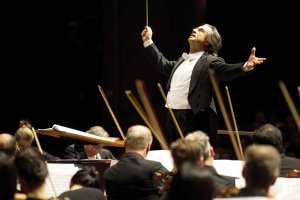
x: 199, y: 34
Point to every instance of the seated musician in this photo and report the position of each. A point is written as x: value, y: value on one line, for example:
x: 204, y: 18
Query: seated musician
x: 8, y: 144
x: 192, y: 182
x: 89, y: 151
x: 262, y: 167
x: 8, y: 179
x: 182, y: 151
x: 134, y: 177
x: 84, y: 185
x: 208, y: 154
x: 32, y: 172
x: 25, y: 137
x: 269, y: 134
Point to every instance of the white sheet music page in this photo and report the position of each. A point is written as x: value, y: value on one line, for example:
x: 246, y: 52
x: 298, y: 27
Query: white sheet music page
x: 61, y: 175
x: 229, y: 167
x: 162, y: 156
x: 70, y: 130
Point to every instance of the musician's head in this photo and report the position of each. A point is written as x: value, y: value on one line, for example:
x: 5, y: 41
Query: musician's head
x: 206, y: 38
x: 24, y: 135
x: 203, y: 141
x: 262, y: 166
x: 90, y: 149
x: 183, y: 150
x: 191, y: 182
x: 269, y: 134
x: 138, y: 139
x: 88, y: 176
x: 8, y: 144
x: 31, y: 169
x: 8, y: 180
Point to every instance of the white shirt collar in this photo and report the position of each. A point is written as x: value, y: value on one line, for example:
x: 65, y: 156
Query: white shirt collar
x: 192, y: 56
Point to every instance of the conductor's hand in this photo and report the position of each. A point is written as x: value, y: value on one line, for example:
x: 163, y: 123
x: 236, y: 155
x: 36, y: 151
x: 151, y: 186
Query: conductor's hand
x: 253, y: 60
x: 146, y: 33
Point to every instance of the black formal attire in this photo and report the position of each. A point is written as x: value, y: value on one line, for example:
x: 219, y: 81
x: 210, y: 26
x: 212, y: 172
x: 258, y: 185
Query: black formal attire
x: 220, y: 181
x: 288, y: 164
x: 250, y: 192
x: 202, y: 115
x: 133, y: 178
x: 83, y: 193
x: 71, y: 153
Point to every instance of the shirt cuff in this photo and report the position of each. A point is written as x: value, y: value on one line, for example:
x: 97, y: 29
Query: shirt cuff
x: 148, y: 43
x: 246, y: 69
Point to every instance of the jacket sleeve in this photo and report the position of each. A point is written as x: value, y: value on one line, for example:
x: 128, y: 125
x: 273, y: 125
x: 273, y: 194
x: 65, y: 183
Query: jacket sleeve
x: 157, y: 59
x: 227, y: 72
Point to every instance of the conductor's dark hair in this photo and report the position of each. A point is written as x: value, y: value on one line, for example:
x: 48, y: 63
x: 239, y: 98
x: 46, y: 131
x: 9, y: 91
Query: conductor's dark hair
x: 31, y: 166
x: 191, y: 183
x: 88, y: 176
x: 269, y: 134
x: 8, y: 180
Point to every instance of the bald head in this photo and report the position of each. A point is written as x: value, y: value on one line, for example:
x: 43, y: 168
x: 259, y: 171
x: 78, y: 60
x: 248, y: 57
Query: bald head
x: 138, y: 137
x: 8, y: 144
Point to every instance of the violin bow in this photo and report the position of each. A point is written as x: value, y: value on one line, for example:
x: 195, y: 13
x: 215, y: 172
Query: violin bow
x: 234, y: 122
x: 213, y: 79
x: 145, y: 98
x: 290, y: 103
x: 111, y: 111
x: 144, y: 116
x: 41, y: 151
x: 170, y: 111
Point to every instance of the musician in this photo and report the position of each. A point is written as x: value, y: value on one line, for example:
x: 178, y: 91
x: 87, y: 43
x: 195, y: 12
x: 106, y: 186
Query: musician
x: 84, y: 185
x: 191, y: 182
x: 134, y: 177
x: 8, y: 179
x: 186, y: 151
x: 262, y: 167
x: 207, y: 150
x: 32, y: 172
x: 8, y: 144
x: 89, y: 151
x: 190, y: 92
x: 25, y: 136
x: 269, y: 134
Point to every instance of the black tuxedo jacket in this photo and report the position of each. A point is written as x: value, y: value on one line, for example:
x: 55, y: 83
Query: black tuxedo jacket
x: 200, y: 90
x: 132, y: 178
x: 288, y: 164
x: 220, y: 181
x: 70, y: 153
x: 83, y: 193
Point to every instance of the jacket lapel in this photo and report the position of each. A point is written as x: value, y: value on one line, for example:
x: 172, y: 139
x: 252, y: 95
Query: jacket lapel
x: 196, y: 71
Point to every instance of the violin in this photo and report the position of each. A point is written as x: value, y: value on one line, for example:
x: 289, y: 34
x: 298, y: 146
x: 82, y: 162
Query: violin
x: 293, y: 174
x: 228, y: 192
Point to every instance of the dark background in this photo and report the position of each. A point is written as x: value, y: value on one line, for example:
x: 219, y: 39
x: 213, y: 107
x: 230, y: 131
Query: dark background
x: 55, y: 54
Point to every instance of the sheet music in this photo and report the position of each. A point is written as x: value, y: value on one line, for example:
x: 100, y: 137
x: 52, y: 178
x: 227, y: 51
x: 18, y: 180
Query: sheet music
x: 229, y: 167
x: 70, y: 130
x: 283, y: 187
x: 162, y: 156
x: 61, y: 175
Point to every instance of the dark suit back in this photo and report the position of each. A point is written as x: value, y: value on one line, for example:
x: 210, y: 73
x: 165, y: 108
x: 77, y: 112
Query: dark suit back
x: 219, y: 180
x: 83, y: 193
x: 288, y: 164
x: 132, y: 178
